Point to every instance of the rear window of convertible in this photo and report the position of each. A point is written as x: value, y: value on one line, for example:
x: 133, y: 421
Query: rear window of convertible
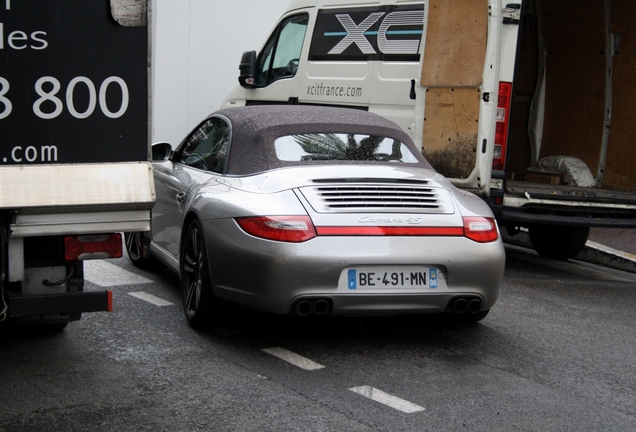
x: 342, y: 147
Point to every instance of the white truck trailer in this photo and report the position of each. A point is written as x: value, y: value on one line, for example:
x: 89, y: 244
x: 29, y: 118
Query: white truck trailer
x: 74, y: 149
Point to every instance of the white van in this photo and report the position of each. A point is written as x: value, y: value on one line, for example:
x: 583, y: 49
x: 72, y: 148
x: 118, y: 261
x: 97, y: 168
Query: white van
x: 527, y: 104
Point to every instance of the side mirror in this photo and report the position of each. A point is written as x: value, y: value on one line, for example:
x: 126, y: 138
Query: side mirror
x: 247, y: 69
x: 161, y: 151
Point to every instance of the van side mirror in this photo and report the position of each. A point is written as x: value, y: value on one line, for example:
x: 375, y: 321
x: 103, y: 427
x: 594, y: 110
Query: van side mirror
x: 247, y: 69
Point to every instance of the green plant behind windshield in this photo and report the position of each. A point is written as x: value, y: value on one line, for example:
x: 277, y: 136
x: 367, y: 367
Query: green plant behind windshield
x: 356, y: 148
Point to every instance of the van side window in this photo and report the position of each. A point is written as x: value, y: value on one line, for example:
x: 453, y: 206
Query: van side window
x: 279, y: 59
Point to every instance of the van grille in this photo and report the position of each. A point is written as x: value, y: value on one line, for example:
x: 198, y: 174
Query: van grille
x: 389, y: 198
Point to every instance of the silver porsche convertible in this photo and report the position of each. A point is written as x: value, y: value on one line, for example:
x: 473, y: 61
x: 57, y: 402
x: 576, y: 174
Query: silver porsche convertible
x: 316, y: 211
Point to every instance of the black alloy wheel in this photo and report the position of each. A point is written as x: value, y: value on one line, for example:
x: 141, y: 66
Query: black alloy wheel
x: 134, y: 243
x: 195, y: 278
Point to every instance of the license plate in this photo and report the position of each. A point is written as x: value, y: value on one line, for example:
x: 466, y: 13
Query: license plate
x: 370, y: 278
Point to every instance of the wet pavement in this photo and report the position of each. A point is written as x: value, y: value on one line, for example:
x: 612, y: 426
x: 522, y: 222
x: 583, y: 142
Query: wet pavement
x: 622, y: 239
x: 609, y: 247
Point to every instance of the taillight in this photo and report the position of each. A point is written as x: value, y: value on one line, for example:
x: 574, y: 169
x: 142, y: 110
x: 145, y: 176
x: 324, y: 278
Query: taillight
x: 501, y: 125
x: 293, y: 229
x: 481, y: 229
x: 95, y: 246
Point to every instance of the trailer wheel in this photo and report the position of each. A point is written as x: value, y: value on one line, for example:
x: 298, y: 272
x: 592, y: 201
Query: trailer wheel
x: 196, y: 289
x: 560, y: 242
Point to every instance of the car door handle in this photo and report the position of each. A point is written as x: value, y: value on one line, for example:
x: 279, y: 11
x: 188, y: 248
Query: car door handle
x: 181, y: 197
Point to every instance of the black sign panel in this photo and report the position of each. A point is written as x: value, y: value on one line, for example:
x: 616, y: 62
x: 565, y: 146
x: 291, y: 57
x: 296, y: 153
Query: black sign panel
x: 387, y: 33
x: 73, y: 84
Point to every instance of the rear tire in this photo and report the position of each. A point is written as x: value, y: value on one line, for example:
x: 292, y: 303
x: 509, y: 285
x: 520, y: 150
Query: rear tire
x: 196, y: 289
x: 134, y: 242
x: 560, y: 242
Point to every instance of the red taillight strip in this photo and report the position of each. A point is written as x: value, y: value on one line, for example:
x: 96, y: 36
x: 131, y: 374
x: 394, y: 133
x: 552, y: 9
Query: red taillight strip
x: 389, y: 231
x: 479, y: 229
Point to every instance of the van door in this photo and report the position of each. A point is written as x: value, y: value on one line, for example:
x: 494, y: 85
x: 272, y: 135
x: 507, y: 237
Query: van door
x: 452, y: 80
x: 469, y: 50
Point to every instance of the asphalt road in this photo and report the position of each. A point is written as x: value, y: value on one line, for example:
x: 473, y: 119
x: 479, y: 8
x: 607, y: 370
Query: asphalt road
x: 622, y: 239
x: 555, y: 354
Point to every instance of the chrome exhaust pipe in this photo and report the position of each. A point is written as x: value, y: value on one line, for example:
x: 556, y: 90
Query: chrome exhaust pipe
x: 321, y: 307
x: 303, y: 308
x: 474, y: 306
x: 459, y: 306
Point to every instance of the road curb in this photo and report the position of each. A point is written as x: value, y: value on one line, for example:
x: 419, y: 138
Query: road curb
x: 593, y: 252
x: 597, y: 253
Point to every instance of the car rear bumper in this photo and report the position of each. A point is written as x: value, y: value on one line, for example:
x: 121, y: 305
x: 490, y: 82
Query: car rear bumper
x: 273, y: 276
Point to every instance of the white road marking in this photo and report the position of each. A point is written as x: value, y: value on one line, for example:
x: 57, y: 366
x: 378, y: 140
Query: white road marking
x: 293, y: 358
x: 387, y: 399
x: 105, y: 274
x: 151, y: 299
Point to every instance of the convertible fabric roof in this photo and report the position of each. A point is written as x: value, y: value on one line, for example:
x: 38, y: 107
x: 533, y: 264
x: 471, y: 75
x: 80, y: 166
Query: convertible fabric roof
x: 255, y: 128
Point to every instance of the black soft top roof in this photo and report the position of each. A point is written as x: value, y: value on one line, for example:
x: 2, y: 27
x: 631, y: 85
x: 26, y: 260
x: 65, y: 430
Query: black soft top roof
x: 255, y: 128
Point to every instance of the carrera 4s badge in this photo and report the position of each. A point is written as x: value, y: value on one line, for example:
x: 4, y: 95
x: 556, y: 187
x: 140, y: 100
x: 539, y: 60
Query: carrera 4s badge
x: 372, y: 220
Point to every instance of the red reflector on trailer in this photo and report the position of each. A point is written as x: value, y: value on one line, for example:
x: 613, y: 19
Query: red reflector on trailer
x: 110, y: 300
x: 95, y: 246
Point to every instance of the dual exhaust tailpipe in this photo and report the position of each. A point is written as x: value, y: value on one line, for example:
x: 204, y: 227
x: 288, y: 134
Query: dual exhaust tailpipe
x: 321, y: 306
x: 312, y: 307
x: 465, y: 305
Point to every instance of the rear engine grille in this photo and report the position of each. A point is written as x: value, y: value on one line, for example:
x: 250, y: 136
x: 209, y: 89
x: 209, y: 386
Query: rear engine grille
x: 389, y: 198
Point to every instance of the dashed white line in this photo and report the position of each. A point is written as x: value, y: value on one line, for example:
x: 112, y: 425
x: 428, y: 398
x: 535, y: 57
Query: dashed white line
x: 293, y: 358
x: 105, y: 274
x: 387, y: 399
x: 151, y: 298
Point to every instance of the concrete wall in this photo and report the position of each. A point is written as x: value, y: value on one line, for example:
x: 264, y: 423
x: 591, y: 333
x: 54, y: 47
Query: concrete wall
x: 197, y: 46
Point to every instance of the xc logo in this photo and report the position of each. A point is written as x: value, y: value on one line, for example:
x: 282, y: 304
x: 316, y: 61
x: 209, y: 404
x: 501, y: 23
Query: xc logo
x: 357, y: 33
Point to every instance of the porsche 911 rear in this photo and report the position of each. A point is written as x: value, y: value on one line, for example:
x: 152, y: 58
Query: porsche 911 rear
x: 362, y: 246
